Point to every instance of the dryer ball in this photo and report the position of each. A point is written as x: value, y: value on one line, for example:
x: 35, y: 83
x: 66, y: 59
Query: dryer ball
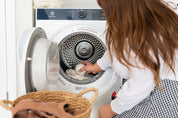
x: 78, y: 67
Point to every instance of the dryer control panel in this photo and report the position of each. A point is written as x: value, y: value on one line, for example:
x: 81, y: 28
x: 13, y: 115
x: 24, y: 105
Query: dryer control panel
x: 70, y: 14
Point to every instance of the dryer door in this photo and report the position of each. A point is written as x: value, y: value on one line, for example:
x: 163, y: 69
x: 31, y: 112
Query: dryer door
x: 39, y: 61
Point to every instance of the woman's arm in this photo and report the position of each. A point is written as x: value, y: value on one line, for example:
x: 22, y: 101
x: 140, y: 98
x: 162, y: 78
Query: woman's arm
x: 105, y: 62
x: 106, y: 112
x: 137, y: 88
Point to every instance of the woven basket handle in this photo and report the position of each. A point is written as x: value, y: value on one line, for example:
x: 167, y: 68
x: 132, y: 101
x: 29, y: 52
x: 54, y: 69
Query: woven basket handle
x: 90, y: 89
x: 5, y: 104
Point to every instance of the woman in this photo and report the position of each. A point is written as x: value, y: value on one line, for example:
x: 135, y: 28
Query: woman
x: 142, y: 41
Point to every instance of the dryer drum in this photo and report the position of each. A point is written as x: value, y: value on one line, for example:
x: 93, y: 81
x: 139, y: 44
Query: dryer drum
x: 78, y: 47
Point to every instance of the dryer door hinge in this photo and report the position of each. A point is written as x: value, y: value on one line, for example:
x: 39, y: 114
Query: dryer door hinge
x: 7, y: 96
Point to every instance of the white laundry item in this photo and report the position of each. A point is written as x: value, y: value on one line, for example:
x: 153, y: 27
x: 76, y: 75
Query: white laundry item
x: 47, y: 3
x: 78, y: 67
x: 72, y: 73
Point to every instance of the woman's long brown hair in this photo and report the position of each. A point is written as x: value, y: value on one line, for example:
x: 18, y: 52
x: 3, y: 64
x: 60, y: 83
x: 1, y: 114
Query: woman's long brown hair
x: 141, y: 26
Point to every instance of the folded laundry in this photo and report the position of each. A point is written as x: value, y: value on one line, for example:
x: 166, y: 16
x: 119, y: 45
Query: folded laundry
x: 29, y: 108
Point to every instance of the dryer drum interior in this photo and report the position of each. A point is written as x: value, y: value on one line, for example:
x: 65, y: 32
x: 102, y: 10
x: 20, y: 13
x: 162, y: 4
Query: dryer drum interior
x: 77, y: 47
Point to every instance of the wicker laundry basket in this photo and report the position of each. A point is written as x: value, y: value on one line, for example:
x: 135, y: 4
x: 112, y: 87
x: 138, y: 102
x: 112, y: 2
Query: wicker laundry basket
x: 75, y: 100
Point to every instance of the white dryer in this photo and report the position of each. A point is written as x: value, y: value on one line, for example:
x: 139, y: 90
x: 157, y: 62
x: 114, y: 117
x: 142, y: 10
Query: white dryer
x: 74, y: 35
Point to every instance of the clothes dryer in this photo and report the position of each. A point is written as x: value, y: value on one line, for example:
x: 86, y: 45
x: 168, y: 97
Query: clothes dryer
x: 61, y: 39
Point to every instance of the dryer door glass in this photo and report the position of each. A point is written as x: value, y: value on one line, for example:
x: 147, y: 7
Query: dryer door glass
x: 45, y: 64
x: 53, y: 64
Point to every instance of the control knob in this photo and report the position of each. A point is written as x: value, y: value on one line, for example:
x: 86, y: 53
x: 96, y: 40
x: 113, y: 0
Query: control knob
x: 81, y: 14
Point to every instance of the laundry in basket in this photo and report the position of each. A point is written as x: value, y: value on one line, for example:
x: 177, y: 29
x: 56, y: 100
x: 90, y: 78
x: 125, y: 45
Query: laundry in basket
x: 75, y: 101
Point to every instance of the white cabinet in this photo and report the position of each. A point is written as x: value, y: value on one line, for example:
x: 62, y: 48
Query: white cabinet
x: 7, y: 53
x: 3, y: 61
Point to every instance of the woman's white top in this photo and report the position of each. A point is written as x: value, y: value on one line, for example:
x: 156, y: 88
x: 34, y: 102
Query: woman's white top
x: 140, y: 81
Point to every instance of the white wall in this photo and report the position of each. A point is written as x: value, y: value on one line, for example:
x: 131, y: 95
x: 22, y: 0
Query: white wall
x: 3, y: 69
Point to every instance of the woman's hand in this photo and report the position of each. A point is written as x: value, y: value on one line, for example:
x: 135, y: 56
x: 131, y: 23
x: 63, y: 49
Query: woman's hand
x: 90, y: 68
x: 106, y: 112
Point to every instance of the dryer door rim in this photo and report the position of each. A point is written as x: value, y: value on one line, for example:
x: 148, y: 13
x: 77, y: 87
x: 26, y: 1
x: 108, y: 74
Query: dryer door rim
x: 31, y: 41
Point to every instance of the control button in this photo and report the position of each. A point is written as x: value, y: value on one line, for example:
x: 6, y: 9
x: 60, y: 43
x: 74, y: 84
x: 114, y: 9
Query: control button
x: 81, y: 14
x: 113, y: 95
x: 102, y: 15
